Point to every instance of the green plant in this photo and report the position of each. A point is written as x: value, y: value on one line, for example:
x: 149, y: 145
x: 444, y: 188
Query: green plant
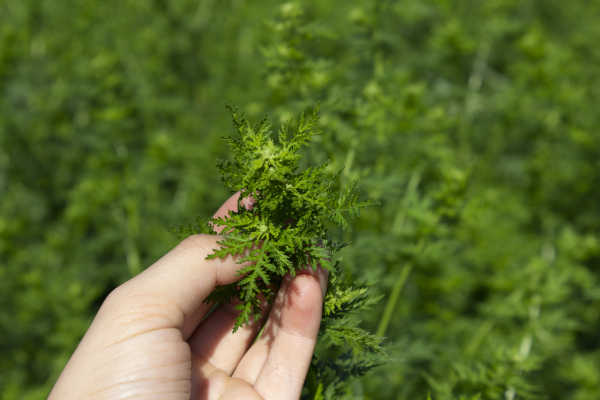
x: 289, y: 228
x: 473, y: 124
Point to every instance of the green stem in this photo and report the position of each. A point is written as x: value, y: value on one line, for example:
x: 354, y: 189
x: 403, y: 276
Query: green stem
x: 391, y: 303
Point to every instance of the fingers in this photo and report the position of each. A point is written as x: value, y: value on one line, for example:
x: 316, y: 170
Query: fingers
x: 215, y: 342
x: 278, y: 361
x: 219, y: 385
x: 251, y: 364
x: 283, y: 374
x: 216, y: 348
x: 231, y: 204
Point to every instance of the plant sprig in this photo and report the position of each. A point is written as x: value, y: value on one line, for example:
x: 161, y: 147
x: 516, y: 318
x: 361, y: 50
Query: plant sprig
x: 286, y: 229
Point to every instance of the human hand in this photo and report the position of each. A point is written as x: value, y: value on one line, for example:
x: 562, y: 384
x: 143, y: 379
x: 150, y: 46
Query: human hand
x: 151, y: 338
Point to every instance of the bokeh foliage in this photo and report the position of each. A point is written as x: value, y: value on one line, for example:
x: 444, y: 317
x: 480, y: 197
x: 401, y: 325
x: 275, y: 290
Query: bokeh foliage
x: 473, y: 123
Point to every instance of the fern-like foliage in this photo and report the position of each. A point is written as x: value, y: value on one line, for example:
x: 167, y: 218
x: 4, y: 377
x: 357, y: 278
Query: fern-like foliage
x: 344, y: 350
x: 288, y: 229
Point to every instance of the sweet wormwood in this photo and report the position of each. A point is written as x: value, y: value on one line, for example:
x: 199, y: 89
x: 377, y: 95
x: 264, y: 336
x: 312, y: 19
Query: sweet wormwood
x: 287, y: 230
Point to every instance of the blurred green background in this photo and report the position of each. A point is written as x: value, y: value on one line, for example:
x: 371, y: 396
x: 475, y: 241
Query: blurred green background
x: 473, y: 123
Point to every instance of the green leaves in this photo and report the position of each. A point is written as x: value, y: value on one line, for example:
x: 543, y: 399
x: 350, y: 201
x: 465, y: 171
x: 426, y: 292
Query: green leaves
x: 287, y: 229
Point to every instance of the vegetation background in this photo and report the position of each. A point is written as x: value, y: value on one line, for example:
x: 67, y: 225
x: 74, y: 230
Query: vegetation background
x: 473, y: 123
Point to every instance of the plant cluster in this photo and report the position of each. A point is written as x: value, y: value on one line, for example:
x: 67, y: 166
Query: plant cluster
x: 287, y: 229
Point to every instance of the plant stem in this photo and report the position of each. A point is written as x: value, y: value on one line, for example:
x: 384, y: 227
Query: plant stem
x: 391, y: 303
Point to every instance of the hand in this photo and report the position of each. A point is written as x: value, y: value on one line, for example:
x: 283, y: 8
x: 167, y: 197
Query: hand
x: 151, y: 340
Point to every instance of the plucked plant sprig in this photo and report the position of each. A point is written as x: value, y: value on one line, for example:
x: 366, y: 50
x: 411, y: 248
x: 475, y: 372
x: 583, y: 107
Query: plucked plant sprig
x: 286, y: 229
x: 289, y: 228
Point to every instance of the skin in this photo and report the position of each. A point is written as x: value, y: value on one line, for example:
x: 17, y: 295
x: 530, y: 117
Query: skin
x: 152, y: 337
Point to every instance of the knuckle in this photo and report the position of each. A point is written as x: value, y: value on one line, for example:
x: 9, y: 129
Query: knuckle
x: 197, y: 241
x: 115, y: 299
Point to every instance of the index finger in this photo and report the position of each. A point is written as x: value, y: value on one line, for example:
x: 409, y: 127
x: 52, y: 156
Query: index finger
x: 231, y: 204
x: 183, y: 277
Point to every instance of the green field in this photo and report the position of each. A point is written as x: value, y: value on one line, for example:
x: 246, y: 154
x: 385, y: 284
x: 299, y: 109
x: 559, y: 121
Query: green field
x: 473, y: 124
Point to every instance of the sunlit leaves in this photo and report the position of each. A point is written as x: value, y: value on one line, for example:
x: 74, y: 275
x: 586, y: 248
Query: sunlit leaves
x: 287, y: 227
